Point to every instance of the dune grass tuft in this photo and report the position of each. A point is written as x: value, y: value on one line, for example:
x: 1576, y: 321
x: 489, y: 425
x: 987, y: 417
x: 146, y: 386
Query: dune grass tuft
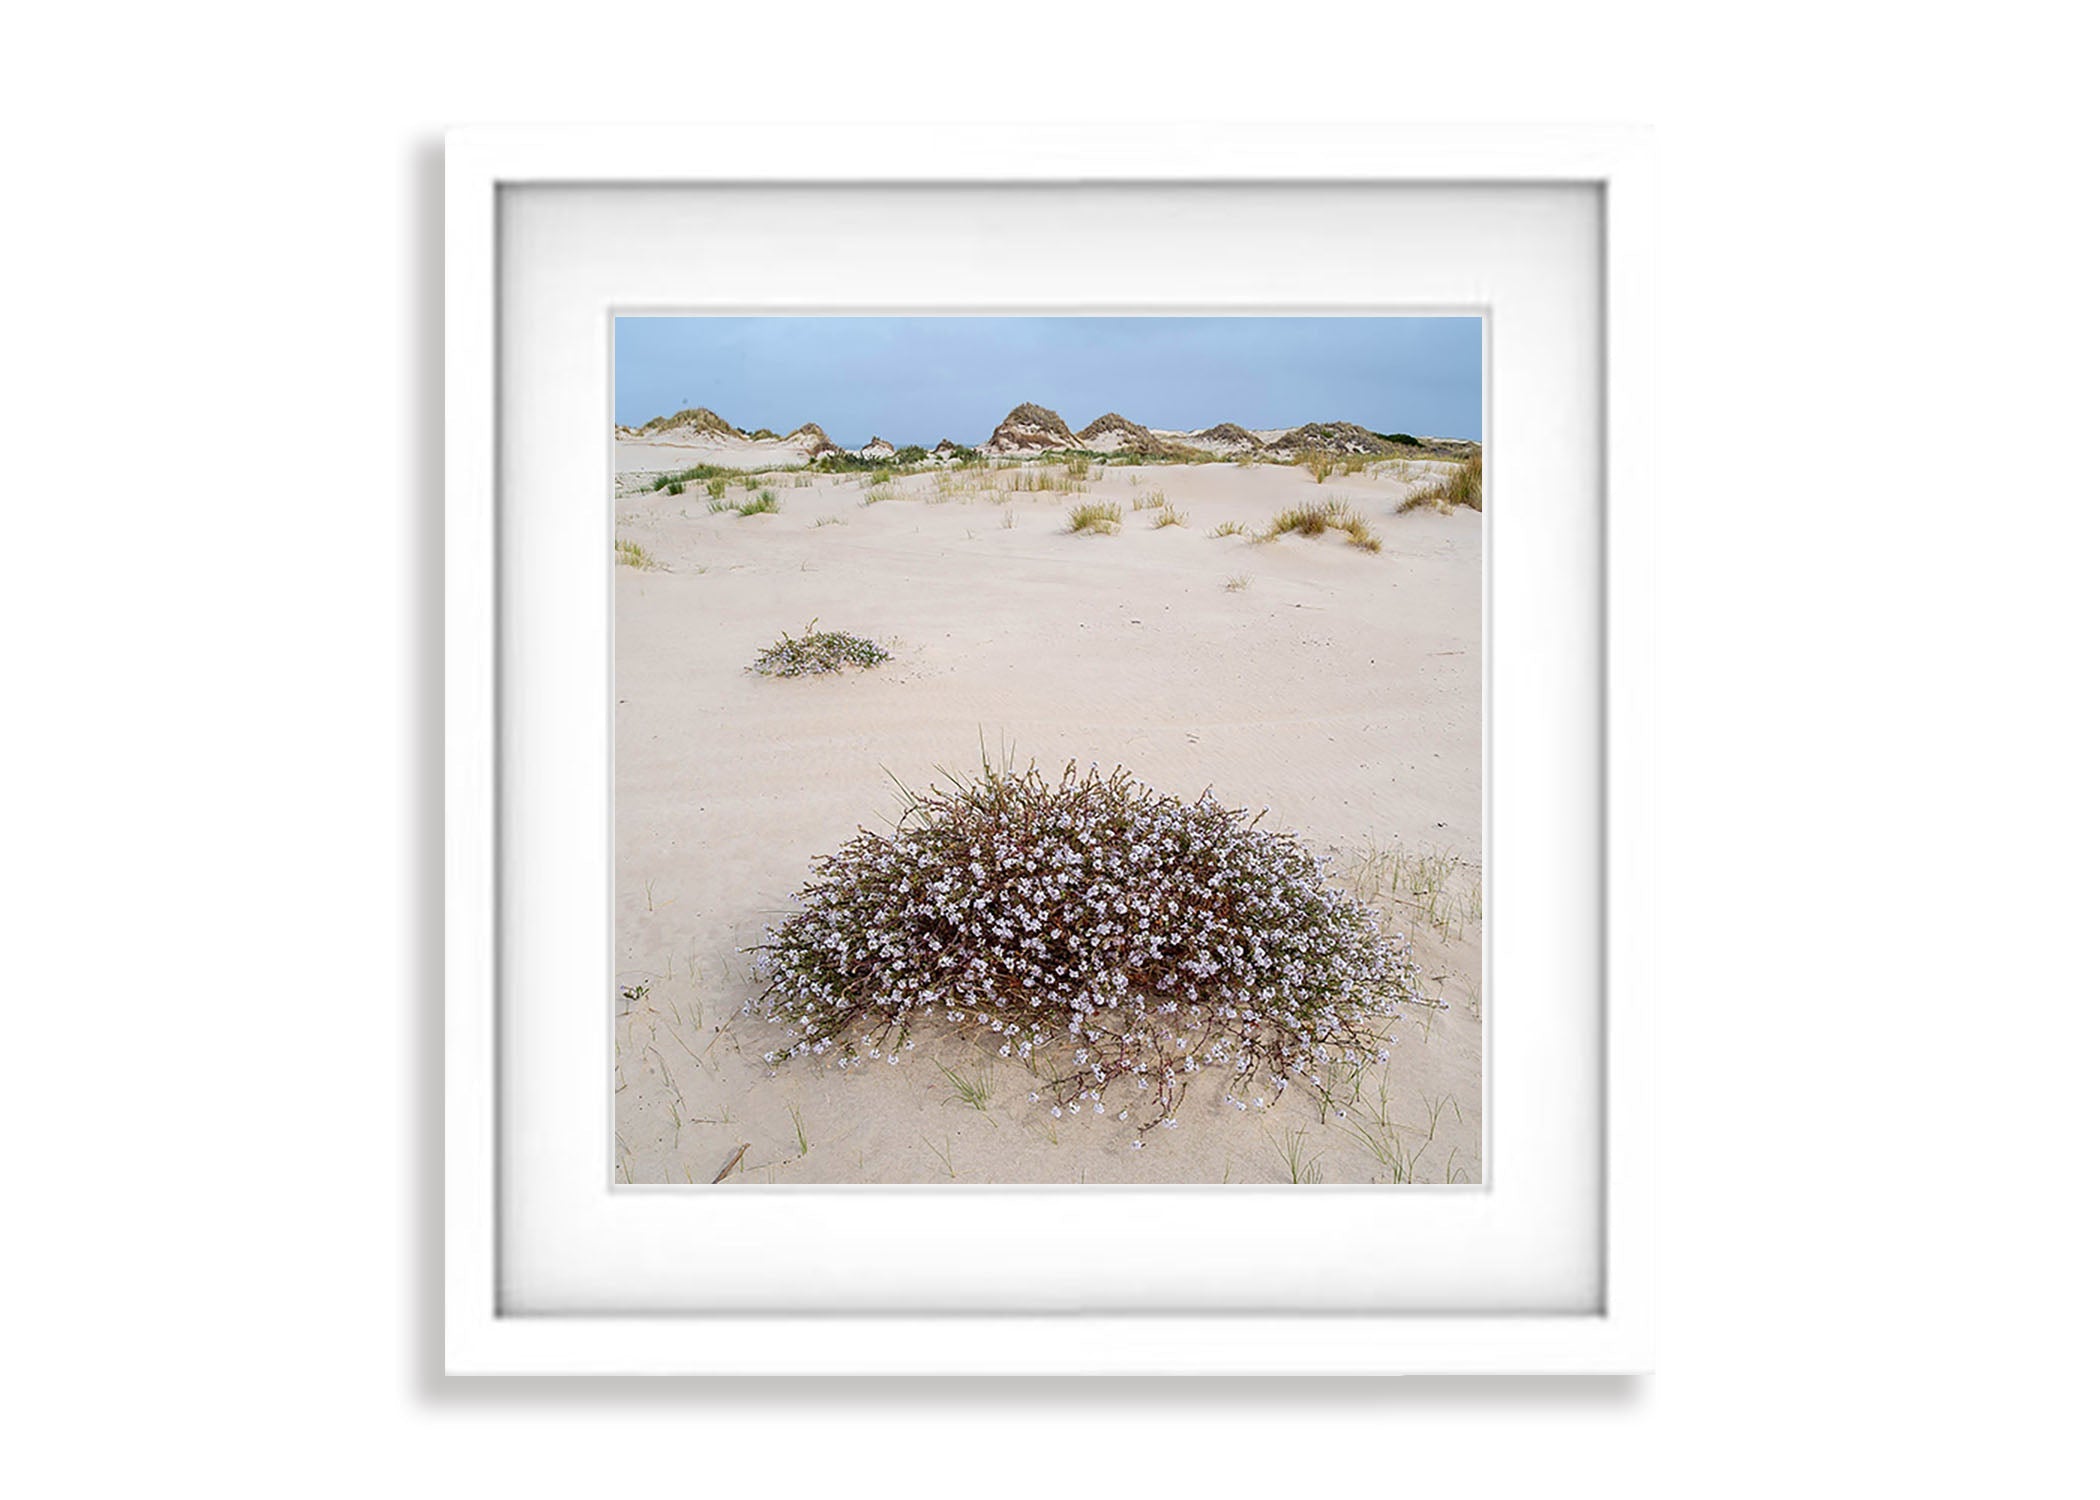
x: 1238, y: 583
x: 632, y: 554
x: 1451, y: 490
x: 814, y: 652
x: 683, y: 477
x: 764, y: 503
x: 1102, y: 516
x: 1117, y: 940
x: 1229, y: 528
x: 1167, y: 515
x: 1317, y: 520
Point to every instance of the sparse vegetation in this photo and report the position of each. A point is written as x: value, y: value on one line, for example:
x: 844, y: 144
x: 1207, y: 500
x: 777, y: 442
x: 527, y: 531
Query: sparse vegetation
x: 1433, y: 889
x: 813, y: 653
x: 1129, y: 942
x: 685, y: 477
x: 973, y: 1088
x: 631, y: 554
x: 764, y: 503
x: 1319, y: 463
x: 1238, y: 583
x: 1150, y: 500
x: 1228, y: 528
x: 1316, y: 520
x: 1167, y: 515
x: 1453, y: 488
x: 1303, y: 1165
x: 696, y: 417
x: 1101, y: 516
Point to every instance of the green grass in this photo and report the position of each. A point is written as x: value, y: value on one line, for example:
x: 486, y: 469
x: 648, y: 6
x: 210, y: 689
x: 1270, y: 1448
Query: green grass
x: 632, y: 555
x: 1304, y: 1167
x: 764, y: 503
x: 973, y: 1089
x: 686, y: 476
x: 1380, y: 1136
x: 717, y: 488
x: 1100, y: 516
x: 1434, y: 889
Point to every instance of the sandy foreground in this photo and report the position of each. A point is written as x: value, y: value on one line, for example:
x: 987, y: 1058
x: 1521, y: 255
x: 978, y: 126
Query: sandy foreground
x: 1338, y: 689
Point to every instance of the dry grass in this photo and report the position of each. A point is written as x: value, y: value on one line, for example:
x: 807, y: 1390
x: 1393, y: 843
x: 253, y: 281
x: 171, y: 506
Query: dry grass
x: 1167, y: 515
x: 633, y: 555
x: 1100, y: 516
x: 1318, y: 520
x: 1454, y: 488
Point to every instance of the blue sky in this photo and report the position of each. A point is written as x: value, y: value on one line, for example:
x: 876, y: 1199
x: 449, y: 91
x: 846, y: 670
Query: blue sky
x: 918, y: 380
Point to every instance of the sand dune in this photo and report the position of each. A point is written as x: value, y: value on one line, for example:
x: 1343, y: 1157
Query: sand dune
x: 667, y: 444
x: 1339, y: 689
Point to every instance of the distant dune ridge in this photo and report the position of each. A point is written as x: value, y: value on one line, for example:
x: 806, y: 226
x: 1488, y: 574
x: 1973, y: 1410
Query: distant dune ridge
x: 698, y: 434
x: 1112, y: 432
x: 1029, y: 428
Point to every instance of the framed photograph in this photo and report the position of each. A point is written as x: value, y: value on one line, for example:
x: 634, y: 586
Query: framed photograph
x: 1047, y: 749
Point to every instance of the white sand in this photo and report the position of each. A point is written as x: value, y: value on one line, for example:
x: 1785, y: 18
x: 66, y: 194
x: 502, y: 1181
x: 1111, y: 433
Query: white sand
x: 1339, y: 689
x: 664, y: 455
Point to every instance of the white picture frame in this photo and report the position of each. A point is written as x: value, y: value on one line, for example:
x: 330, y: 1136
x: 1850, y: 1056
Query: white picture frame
x: 481, y: 1335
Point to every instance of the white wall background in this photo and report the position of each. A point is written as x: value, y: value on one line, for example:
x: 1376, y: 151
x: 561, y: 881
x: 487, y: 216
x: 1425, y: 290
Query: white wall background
x: 219, y: 599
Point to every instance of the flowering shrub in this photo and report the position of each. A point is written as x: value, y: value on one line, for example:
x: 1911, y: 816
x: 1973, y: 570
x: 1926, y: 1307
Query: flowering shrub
x: 1116, y: 940
x: 812, y: 652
